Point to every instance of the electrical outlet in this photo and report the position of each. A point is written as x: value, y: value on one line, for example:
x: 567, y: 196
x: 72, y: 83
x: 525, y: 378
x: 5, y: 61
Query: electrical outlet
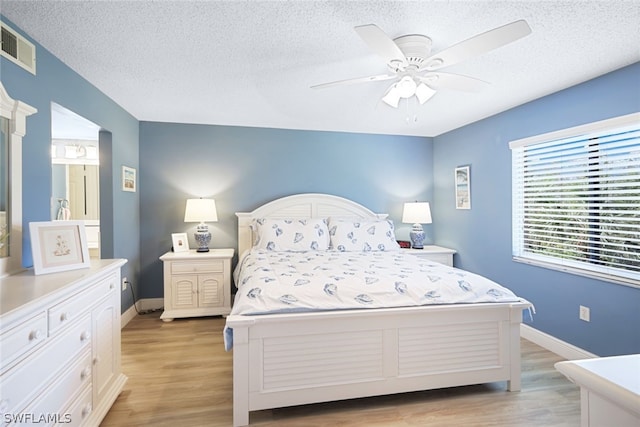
x: 585, y: 313
x: 124, y: 283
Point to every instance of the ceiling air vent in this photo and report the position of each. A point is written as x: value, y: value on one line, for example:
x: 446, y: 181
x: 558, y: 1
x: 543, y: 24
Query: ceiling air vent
x: 18, y: 49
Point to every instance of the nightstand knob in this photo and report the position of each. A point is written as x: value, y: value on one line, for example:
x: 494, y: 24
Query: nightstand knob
x: 35, y: 335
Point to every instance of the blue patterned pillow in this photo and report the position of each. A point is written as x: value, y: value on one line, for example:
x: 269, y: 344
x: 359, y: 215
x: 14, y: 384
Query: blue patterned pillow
x: 295, y: 235
x: 349, y: 236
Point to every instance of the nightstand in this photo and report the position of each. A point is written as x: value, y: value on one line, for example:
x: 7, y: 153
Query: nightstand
x: 197, y: 283
x: 435, y: 253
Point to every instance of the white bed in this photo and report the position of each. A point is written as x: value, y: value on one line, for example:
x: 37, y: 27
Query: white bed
x: 298, y: 358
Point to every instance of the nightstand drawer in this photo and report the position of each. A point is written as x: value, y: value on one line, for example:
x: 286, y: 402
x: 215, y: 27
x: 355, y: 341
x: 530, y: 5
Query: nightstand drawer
x: 209, y: 266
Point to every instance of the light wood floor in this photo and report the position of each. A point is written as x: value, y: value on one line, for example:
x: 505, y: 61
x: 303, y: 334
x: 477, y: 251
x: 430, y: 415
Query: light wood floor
x: 180, y: 375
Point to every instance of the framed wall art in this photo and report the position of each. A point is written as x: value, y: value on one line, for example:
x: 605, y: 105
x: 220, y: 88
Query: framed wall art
x: 128, y: 179
x: 180, y: 242
x: 463, y: 187
x: 58, y: 246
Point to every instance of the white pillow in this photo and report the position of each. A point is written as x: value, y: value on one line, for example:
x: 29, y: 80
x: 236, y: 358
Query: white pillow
x: 365, y: 235
x: 294, y: 235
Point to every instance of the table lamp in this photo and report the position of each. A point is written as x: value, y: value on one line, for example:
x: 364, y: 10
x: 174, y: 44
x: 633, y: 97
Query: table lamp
x: 416, y: 213
x: 201, y: 210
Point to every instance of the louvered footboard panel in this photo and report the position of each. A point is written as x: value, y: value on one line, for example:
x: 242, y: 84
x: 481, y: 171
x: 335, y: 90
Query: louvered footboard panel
x: 449, y: 348
x: 321, y: 359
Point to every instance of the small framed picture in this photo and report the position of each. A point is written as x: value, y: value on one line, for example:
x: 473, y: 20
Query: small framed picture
x: 58, y: 246
x: 128, y: 179
x: 180, y: 242
x: 463, y: 187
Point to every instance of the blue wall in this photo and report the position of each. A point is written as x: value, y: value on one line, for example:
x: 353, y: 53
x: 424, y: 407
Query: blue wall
x: 55, y: 82
x: 482, y: 235
x: 243, y: 168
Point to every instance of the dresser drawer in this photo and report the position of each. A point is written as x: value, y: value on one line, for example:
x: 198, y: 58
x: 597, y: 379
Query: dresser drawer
x: 210, y: 266
x: 51, y: 404
x: 22, y: 382
x: 65, y: 312
x: 20, y: 339
x: 78, y: 412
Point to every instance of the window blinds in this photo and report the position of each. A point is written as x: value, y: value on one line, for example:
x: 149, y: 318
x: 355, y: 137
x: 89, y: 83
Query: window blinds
x: 576, y: 199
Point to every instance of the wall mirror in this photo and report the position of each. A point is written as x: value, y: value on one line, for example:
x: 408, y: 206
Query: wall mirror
x: 75, y: 193
x: 13, y: 124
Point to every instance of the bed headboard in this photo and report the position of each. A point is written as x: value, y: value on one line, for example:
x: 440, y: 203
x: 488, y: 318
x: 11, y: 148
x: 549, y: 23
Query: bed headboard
x: 310, y: 205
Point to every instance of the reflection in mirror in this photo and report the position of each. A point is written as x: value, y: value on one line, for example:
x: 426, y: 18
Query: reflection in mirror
x: 4, y: 188
x: 14, y: 127
x: 75, y: 191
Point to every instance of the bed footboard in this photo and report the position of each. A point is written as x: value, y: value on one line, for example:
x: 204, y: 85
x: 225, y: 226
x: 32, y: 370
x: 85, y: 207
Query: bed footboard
x: 292, y: 359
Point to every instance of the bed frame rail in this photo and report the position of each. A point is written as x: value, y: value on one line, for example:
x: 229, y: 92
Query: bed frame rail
x: 293, y: 359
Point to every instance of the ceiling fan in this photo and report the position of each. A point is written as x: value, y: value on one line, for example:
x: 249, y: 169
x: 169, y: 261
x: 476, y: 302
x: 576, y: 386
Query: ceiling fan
x: 414, y: 67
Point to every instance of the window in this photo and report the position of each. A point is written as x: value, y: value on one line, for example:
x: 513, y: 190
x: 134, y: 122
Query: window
x: 576, y: 199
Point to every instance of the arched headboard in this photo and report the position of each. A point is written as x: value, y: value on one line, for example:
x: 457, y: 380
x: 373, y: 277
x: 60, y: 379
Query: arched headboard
x: 309, y: 205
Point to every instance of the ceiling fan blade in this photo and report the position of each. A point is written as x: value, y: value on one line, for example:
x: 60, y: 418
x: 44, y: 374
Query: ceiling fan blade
x: 478, y: 45
x: 459, y: 82
x: 381, y: 44
x: 379, y: 77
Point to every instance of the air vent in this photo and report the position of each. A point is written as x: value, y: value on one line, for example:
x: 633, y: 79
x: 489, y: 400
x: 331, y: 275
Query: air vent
x: 18, y: 49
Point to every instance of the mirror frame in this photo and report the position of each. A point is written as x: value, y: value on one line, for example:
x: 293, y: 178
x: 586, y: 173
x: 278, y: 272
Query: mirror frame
x: 17, y: 113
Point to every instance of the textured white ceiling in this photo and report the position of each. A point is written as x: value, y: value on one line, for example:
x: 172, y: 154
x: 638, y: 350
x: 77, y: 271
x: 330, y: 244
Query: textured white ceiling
x: 251, y: 63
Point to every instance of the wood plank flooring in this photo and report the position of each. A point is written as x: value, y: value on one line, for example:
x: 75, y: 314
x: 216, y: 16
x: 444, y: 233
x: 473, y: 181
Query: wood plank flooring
x: 180, y: 375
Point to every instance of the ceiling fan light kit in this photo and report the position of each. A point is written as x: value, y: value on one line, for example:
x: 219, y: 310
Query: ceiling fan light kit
x: 412, y: 65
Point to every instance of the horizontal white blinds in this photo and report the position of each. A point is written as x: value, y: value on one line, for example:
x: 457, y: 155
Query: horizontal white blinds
x: 576, y: 201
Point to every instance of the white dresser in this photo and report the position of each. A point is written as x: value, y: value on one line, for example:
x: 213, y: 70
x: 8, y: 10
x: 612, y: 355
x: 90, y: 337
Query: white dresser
x: 609, y: 389
x: 60, y: 346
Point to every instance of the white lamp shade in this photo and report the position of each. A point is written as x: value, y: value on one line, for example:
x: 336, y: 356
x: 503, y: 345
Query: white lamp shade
x: 416, y: 213
x: 200, y: 210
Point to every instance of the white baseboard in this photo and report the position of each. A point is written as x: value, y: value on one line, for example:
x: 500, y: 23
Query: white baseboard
x: 141, y: 306
x: 553, y: 344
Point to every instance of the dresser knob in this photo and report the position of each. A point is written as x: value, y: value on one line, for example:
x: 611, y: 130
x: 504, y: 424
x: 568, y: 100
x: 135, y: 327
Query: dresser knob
x: 35, y: 335
x: 111, y: 286
x: 86, y: 410
x: 85, y: 335
x: 64, y: 316
x: 85, y: 373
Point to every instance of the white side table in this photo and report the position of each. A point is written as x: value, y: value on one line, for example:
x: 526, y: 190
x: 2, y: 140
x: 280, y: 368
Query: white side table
x: 197, y: 283
x: 435, y: 253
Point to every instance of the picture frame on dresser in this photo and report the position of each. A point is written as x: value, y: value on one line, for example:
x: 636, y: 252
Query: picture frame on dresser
x: 58, y: 246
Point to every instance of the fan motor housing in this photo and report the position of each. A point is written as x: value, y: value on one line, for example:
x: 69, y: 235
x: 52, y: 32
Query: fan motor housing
x: 416, y: 48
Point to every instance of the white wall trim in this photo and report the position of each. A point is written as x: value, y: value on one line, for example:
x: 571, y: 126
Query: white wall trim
x: 553, y: 344
x: 142, y: 305
x: 126, y: 317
